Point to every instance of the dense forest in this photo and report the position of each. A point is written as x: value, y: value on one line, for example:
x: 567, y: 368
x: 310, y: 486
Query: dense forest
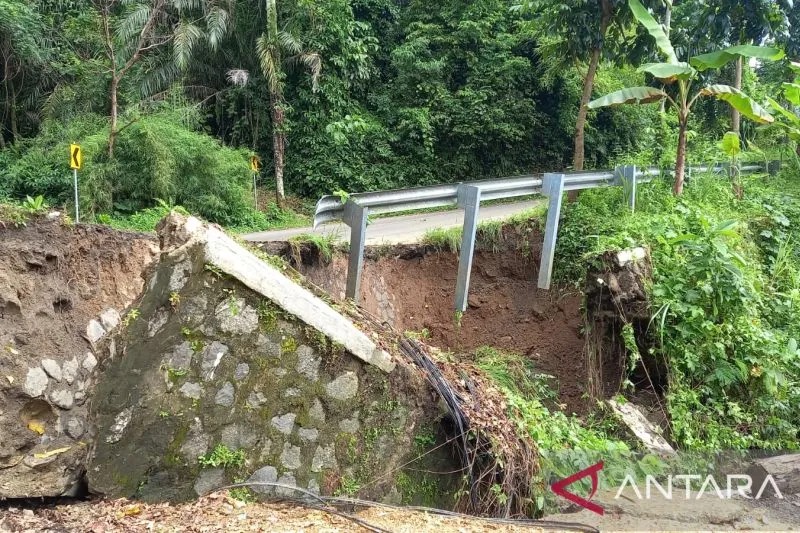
x: 170, y: 98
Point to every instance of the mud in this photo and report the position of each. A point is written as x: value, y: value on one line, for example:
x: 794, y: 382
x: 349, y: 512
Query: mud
x: 413, y: 289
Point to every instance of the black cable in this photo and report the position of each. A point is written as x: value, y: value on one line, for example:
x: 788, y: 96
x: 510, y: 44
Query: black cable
x: 324, y: 507
x: 545, y: 524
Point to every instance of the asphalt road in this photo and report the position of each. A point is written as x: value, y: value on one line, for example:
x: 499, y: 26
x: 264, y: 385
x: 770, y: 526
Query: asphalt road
x: 400, y: 229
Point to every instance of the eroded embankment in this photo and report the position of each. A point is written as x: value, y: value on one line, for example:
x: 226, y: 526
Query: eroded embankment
x: 55, y: 279
x: 412, y: 288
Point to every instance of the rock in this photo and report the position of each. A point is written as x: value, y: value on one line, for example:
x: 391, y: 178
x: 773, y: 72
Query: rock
x: 350, y: 425
x: 634, y: 254
x: 225, y: 395
x: 191, y: 390
x: 267, y: 474
x: 52, y: 368
x: 212, y: 355
x: 75, y: 427
x: 35, y: 382
x: 473, y: 302
x: 242, y: 371
x: 268, y: 347
x: 324, y: 457
x: 256, y: 400
x: 89, y: 362
x: 63, y: 398
x: 110, y: 318
x: 209, y: 480
x: 284, y: 423
x: 344, y: 387
x: 313, y: 486
x: 237, y: 437
x: 290, y: 457
x: 784, y: 469
x: 179, y: 276
x: 70, y: 370
x: 196, y: 443
x: 308, y: 362
x: 316, y: 412
x: 235, y: 317
x: 181, y: 357
x: 120, y: 423
x: 292, y: 392
x: 158, y: 321
x: 650, y: 436
x: 288, y: 480
x: 308, y: 434
x: 95, y: 331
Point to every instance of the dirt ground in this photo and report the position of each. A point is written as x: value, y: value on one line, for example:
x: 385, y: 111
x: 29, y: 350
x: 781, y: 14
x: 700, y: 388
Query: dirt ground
x: 413, y: 288
x: 219, y: 512
x: 55, y: 278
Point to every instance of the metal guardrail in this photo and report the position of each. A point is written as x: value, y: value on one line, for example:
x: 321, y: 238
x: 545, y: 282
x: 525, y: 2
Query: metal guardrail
x: 468, y: 195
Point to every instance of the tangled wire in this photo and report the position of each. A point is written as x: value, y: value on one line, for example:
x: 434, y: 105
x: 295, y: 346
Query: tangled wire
x: 500, y: 466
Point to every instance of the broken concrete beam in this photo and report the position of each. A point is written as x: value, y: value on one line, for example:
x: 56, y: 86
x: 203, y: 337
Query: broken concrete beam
x: 178, y: 233
x: 650, y: 436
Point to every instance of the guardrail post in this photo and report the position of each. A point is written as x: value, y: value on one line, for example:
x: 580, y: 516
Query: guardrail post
x: 355, y: 216
x: 469, y: 199
x: 553, y: 188
x: 626, y: 176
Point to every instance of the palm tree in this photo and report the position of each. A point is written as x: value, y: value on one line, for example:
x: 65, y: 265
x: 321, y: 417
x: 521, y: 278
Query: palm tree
x: 277, y: 48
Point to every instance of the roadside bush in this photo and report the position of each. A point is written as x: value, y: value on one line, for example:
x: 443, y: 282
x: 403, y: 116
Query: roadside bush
x: 158, y: 155
x: 725, y: 296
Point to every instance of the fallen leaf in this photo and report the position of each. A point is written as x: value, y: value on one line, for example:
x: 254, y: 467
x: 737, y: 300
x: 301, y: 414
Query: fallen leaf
x: 36, y: 426
x: 50, y: 453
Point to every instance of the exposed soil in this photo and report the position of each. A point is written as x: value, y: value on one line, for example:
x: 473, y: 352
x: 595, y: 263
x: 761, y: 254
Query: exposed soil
x: 413, y: 288
x: 54, y: 279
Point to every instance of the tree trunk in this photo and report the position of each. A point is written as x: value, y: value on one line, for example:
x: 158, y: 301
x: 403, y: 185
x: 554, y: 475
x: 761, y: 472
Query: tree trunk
x: 736, y: 118
x: 680, y: 160
x: 580, y: 124
x: 13, y: 108
x: 112, y: 136
x: 278, y: 146
x: 606, y: 11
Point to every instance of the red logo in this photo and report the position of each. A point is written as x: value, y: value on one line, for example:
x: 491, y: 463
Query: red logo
x: 559, y: 487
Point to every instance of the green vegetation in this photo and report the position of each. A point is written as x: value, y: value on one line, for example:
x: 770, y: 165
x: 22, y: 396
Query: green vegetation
x: 325, y: 245
x: 725, y: 293
x: 565, y: 442
x: 222, y: 457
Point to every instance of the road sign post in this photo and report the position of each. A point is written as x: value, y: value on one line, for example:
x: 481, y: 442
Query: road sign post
x: 75, y: 163
x: 255, y: 166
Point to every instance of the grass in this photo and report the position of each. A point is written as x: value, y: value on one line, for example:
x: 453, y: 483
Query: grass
x: 488, y: 235
x: 324, y: 243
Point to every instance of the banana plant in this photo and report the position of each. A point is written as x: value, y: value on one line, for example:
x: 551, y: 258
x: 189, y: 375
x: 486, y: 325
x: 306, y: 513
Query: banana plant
x: 686, y: 76
x: 789, y: 121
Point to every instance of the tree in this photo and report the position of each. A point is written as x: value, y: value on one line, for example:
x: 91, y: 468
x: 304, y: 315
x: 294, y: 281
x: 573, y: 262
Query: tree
x: 581, y: 29
x: 21, y: 53
x: 684, y: 75
x: 274, y: 48
x: 743, y: 22
x: 145, y: 27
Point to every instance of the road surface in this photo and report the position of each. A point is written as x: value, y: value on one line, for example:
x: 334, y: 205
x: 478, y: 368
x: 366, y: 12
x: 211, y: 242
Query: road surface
x: 401, y: 229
